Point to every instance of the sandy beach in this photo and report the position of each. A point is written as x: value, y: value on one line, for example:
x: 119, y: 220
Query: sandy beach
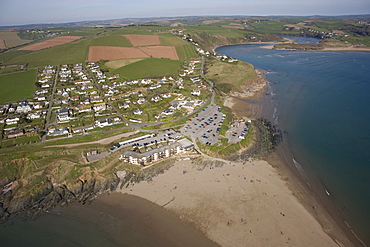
x: 238, y: 204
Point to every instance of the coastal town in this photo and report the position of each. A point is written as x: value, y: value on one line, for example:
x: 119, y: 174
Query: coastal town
x: 73, y: 100
x: 143, y: 124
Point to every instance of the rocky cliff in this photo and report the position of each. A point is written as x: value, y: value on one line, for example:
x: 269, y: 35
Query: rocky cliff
x: 13, y: 201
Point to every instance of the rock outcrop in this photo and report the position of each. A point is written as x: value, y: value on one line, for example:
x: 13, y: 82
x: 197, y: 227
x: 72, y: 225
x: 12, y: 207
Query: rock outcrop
x: 12, y: 201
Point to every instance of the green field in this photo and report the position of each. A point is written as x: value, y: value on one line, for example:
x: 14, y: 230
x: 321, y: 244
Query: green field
x: 151, y: 67
x: 219, y: 72
x: 169, y: 39
x: 12, y: 39
x: 112, y: 40
x: 11, y: 54
x: 141, y: 30
x: 17, y: 86
x: 184, y: 50
x: 76, y: 34
x: 269, y: 26
x: 10, y: 69
x: 187, y: 52
x: 75, y: 52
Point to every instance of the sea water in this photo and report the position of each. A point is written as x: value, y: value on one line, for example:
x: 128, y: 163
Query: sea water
x: 321, y: 100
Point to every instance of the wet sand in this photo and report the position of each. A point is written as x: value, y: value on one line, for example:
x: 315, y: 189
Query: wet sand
x: 128, y: 220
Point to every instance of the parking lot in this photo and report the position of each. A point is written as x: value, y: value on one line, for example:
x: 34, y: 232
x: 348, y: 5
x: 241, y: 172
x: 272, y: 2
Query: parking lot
x: 237, y: 132
x: 149, y: 141
x: 205, y: 125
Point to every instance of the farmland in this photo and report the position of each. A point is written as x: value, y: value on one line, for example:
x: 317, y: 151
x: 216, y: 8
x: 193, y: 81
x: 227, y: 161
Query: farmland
x: 4, y: 57
x: 17, y: 86
x: 152, y: 67
x: 115, y: 64
x: 75, y: 52
x: 97, y: 53
x: 10, y: 39
x: 112, y: 40
x: 186, y: 52
x: 50, y: 43
x: 143, y: 40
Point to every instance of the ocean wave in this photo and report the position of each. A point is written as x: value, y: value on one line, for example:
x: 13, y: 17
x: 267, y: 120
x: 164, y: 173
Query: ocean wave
x: 274, y: 113
x: 300, y: 169
x: 350, y: 228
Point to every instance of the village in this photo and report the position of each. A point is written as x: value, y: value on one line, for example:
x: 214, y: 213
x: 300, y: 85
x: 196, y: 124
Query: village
x: 79, y: 99
x: 82, y: 98
x: 75, y: 100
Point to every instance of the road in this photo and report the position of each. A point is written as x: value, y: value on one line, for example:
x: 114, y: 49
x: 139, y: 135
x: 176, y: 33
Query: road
x: 48, y: 114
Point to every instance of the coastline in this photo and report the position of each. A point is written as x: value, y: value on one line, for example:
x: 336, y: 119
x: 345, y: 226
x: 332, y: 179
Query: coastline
x: 217, y: 212
x: 197, y: 196
x: 259, y: 202
x: 271, y: 45
x: 309, y: 192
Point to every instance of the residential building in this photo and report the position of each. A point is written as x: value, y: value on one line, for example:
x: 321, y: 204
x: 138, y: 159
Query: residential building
x: 104, y: 122
x: 15, y: 133
x: 156, y: 154
x: 63, y: 115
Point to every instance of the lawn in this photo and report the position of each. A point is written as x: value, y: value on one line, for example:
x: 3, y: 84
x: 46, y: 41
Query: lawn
x: 19, y: 141
x: 74, y: 52
x: 112, y: 40
x: 149, y: 68
x: 17, y: 86
x: 12, y: 39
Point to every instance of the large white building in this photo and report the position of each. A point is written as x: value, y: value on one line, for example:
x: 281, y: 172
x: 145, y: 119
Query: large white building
x: 156, y: 154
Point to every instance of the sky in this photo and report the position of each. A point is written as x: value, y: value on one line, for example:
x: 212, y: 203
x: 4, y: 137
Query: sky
x: 19, y: 12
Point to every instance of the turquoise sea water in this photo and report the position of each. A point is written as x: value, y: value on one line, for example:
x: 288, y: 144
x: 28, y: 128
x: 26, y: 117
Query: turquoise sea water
x: 322, y: 101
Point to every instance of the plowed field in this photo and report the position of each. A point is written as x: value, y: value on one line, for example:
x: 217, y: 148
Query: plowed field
x: 161, y: 52
x: 50, y: 43
x: 143, y: 40
x: 114, y: 53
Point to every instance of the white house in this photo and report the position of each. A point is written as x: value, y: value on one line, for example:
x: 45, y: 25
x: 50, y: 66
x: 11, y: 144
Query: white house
x: 12, y: 120
x: 104, y: 122
x: 24, y: 107
x: 138, y: 112
x: 196, y: 92
x: 63, y: 115
x: 156, y: 98
x: 34, y: 115
x: 100, y: 107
